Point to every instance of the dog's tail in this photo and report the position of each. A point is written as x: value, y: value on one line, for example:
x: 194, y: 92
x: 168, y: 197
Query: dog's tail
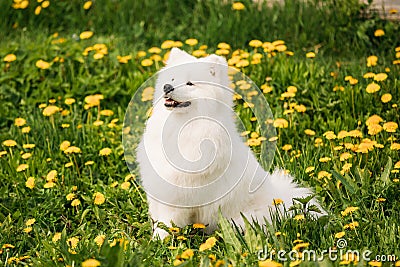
x: 277, y: 193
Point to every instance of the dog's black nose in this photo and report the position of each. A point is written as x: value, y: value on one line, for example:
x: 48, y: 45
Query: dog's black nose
x: 168, y: 88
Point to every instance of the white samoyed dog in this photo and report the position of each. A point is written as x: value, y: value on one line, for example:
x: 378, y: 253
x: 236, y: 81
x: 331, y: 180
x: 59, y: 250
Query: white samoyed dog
x: 192, y: 160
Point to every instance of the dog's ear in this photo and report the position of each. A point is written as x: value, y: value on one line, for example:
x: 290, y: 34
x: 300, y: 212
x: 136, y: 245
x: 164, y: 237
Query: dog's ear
x: 216, y: 59
x: 177, y: 55
x: 219, y: 64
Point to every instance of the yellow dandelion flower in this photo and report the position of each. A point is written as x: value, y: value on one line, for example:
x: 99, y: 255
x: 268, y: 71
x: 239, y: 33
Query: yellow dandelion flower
x: 41, y: 64
x: 379, y: 33
x: 238, y: 6
x: 300, y: 108
x: 277, y: 201
x: 30, y: 182
x: 345, y: 156
x: 98, y: 55
x: 148, y: 94
x: 10, y: 58
x: 99, y: 198
x: 269, y: 263
x: 45, y: 4
x: 385, y: 98
x: 325, y: 159
x: 19, y: 122
x: 124, y: 59
x: 255, y: 43
x: 210, y: 242
x: 125, y: 185
x: 310, y: 55
x: 340, y: 235
x: 380, y: 199
x: 178, y: 44
x: 380, y: 77
x: 199, y: 53
x: 309, y: 169
x: 154, y: 50
x: 105, y: 151
x: 72, y: 242
x: 372, y: 88
x: 76, y: 202
x: 87, y: 5
x: 199, y: 226
x: 351, y: 225
x: 90, y: 162
x: 22, y: 167
x: 28, y: 146
x: 372, y: 61
x: 287, y: 147
x: 26, y: 155
x: 49, y: 184
x: 222, y: 52
x: 167, y: 44
x: 64, y: 145
x: 375, y: 263
x: 99, y: 240
x: 223, y: 46
x: 266, y: 88
x: 324, y: 174
x: 369, y: 75
x: 390, y: 126
x: 27, y: 230
x: 51, y: 176
x: 374, y: 119
x: 69, y: 101
x: 72, y: 149
x: 395, y: 146
x: 188, y: 253
x: 346, y: 167
x: 338, y: 88
x: 329, y: 135
x: 281, y: 123
x: 30, y: 222
x: 50, y: 110
x: 68, y: 164
x: 91, y: 263
x: 9, y: 143
x: 355, y: 133
x: 98, y: 123
x: 374, y: 129
x: 107, y: 112
x: 309, y: 132
x: 177, y: 262
x: 397, y: 165
x: 70, y: 196
x: 349, y: 210
x: 299, y: 217
x: 56, y: 237
x: 146, y: 62
x: 37, y: 11
x: 26, y: 129
x: 192, y: 42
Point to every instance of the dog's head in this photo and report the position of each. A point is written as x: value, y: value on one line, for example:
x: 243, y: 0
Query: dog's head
x: 188, y: 83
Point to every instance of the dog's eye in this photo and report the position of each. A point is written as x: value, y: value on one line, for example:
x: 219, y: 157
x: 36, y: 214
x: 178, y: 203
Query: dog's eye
x: 189, y: 83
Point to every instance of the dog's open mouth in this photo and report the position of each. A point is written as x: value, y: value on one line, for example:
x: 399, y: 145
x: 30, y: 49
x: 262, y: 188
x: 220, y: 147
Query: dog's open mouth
x: 170, y: 103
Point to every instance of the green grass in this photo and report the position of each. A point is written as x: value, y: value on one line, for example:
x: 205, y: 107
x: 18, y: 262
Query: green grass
x: 336, y: 31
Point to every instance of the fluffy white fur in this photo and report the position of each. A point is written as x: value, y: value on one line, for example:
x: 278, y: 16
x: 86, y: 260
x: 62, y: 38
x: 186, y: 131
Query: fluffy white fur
x: 192, y: 160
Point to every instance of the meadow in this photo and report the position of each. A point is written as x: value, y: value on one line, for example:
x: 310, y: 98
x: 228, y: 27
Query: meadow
x: 329, y: 70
